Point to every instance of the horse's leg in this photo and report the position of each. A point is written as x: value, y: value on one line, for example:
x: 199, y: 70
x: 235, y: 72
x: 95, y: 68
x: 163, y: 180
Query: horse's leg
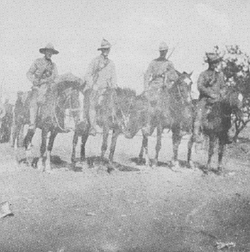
x: 220, y: 154
x: 145, y: 147
x: 27, y: 144
x: 176, y: 140
x: 84, y: 140
x: 158, y: 145
x: 144, y: 143
x: 20, y: 135
x: 190, y: 145
x: 42, y: 149
x: 52, y: 137
x: 115, y: 135
x: 104, y: 141
x: 75, y: 141
x: 15, y: 133
x: 212, y: 141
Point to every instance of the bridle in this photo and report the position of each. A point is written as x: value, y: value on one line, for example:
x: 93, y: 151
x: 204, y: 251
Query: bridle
x: 68, y: 99
x: 181, y: 99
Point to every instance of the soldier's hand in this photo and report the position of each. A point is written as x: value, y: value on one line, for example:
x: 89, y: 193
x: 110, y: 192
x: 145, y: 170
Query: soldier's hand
x: 35, y: 82
x: 214, y: 96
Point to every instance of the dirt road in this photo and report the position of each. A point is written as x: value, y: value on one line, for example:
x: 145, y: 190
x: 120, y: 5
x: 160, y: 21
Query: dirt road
x: 134, y: 208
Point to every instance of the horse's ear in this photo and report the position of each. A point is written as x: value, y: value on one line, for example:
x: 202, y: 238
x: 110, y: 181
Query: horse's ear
x: 179, y: 74
x: 190, y: 73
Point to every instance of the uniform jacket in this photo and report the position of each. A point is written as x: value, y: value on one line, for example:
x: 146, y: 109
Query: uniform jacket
x: 210, y: 82
x: 160, y: 72
x: 101, y: 73
x: 42, y: 71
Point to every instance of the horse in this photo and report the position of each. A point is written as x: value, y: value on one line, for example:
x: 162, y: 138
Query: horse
x: 216, y: 122
x: 172, y: 111
x: 112, y: 108
x: 6, y: 120
x: 20, y: 117
x: 51, y: 117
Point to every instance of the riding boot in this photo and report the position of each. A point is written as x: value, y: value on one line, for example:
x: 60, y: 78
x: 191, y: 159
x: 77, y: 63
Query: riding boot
x: 28, y: 138
x: 197, y: 124
x: 146, y: 129
x: 33, y: 115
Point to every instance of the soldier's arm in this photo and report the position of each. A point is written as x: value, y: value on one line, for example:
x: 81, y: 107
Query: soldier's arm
x: 31, y: 74
x: 148, y: 76
x: 201, y: 86
x: 54, y: 74
x: 113, y: 76
x: 172, y: 75
x: 223, y: 85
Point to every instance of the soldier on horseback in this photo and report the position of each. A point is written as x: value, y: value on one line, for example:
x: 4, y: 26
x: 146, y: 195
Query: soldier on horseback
x: 101, y: 75
x: 160, y: 74
x: 42, y: 74
x: 212, y: 87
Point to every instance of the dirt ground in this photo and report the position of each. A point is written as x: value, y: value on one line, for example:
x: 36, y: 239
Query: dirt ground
x: 133, y: 208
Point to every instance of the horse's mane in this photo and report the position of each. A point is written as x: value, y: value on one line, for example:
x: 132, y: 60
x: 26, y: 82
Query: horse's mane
x: 125, y: 92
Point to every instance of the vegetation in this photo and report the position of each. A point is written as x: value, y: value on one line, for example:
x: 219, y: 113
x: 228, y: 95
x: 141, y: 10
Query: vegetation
x: 236, y: 65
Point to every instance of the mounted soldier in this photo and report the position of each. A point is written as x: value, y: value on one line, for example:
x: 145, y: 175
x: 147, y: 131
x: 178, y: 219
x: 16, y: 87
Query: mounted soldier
x: 42, y: 75
x: 212, y: 88
x: 101, y: 74
x: 160, y: 75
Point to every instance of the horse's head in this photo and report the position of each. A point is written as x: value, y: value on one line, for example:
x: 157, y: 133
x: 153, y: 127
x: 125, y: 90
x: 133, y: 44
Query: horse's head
x: 125, y: 98
x: 135, y: 118
x: 233, y: 98
x: 181, y: 89
x: 68, y: 99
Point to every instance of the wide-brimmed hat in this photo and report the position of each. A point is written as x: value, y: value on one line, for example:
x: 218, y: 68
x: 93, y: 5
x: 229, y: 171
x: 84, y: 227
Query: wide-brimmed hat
x: 163, y: 46
x: 213, y: 57
x: 48, y: 47
x: 104, y: 45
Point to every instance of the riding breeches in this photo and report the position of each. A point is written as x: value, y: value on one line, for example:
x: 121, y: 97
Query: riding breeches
x: 37, y: 98
x: 93, y: 101
x: 199, y: 114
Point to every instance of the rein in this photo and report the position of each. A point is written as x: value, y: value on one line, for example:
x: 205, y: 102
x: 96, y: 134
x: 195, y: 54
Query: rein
x: 68, y: 98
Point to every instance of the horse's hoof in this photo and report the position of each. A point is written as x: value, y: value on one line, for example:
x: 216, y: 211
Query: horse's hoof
x: 140, y: 161
x: 154, y: 163
x: 175, y: 164
x: 40, y: 166
x: 41, y: 169
x: 191, y: 165
x: 219, y: 171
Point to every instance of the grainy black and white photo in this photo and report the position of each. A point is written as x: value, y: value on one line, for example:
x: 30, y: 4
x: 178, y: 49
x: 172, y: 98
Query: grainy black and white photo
x: 124, y: 126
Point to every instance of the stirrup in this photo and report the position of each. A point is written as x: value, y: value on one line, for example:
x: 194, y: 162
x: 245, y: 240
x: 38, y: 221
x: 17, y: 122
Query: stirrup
x: 197, y: 138
x: 92, y: 131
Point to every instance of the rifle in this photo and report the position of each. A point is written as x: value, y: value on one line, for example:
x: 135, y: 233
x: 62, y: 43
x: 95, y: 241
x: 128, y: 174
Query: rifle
x: 170, y: 53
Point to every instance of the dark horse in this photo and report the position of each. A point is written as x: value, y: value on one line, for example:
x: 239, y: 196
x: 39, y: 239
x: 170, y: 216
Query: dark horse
x: 111, y: 111
x: 216, y: 123
x: 172, y: 111
x: 51, y: 117
x: 6, y: 120
x: 20, y: 118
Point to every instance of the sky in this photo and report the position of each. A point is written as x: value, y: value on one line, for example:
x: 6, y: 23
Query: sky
x: 135, y: 28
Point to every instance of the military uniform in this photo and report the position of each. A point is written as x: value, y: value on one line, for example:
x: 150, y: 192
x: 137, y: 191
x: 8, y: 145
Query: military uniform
x: 101, y: 75
x: 160, y: 73
x: 211, y: 85
x: 42, y: 74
